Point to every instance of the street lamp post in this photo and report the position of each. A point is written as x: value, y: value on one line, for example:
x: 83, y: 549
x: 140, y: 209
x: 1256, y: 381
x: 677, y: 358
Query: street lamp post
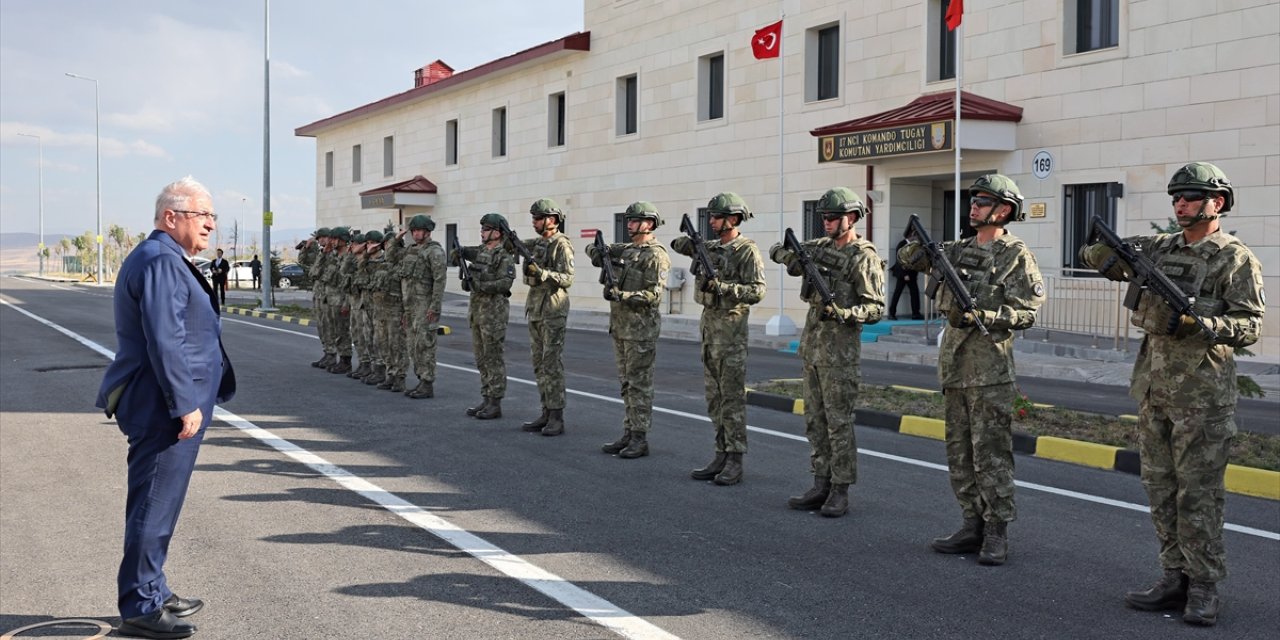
x: 97, y: 152
x: 40, y: 173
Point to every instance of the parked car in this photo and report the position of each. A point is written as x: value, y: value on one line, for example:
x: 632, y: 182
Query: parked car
x: 205, y: 266
x: 293, y: 275
x: 241, y: 274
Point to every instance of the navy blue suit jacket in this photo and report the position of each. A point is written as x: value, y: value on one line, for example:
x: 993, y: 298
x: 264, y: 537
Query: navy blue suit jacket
x: 169, y: 360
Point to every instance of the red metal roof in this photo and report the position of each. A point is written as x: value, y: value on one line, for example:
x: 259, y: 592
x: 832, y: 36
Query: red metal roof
x: 928, y: 108
x: 416, y: 184
x: 576, y: 42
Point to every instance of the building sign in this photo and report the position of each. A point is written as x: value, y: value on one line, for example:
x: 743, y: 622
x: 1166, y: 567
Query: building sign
x: 378, y: 201
x: 882, y: 143
x: 1036, y: 210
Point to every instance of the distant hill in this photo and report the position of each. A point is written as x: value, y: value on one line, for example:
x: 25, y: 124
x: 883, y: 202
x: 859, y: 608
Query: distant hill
x: 19, y: 240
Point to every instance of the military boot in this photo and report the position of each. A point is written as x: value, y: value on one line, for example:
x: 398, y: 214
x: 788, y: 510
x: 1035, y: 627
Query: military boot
x: 837, y: 503
x: 387, y: 382
x: 637, y: 448
x: 995, y: 544
x: 967, y: 540
x: 324, y: 361
x: 732, y: 471
x: 1170, y: 592
x: 397, y: 384
x: 619, y: 444
x: 814, y: 497
x: 360, y: 371
x: 341, y: 366
x: 491, y: 410
x: 1202, y: 604
x: 472, y: 411
x: 714, y: 467
x: 555, y: 422
x: 378, y: 374
x: 423, y: 390
x: 537, y: 423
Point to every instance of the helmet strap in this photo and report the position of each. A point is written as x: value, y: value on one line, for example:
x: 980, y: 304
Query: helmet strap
x: 1200, y: 214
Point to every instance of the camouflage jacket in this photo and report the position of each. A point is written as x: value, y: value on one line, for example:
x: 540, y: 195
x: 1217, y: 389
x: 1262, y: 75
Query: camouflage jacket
x: 1002, y: 277
x: 548, y: 293
x: 641, y: 270
x: 316, y: 268
x: 855, y: 275
x: 739, y: 270
x: 362, y: 280
x: 422, y: 276
x: 493, y: 271
x: 1226, y: 280
x: 386, y: 276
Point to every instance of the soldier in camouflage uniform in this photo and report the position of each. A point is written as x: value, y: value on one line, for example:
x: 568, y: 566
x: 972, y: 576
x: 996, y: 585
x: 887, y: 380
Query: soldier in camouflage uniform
x: 376, y: 302
x: 492, y: 273
x: 726, y: 306
x: 394, y: 351
x: 309, y: 252
x: 362, y: 306
x: 351, y: 277
x: 422, y: 277
x: 1185, y: 384
x: 337, y: 307
x: 640, y: 267
x: 976, y: 371
x: 549, y: 277
x: 831, y: 345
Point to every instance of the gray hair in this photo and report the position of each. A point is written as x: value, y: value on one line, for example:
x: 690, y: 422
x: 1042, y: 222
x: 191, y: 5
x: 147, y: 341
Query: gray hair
x: 179, y: 194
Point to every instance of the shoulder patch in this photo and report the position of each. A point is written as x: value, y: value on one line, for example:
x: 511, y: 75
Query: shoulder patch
x: 1038, y: 289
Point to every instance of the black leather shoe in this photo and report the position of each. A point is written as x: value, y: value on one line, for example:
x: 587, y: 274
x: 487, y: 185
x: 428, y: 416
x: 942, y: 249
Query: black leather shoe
x: 157, y: 624
x: 182, y: 607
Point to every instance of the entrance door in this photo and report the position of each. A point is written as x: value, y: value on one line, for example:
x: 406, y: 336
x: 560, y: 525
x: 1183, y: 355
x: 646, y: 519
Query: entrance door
x: 949, y: 214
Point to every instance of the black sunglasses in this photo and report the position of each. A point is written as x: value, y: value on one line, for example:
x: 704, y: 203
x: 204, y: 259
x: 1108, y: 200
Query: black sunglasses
x: 982, y: 202
x: 1190, y: 195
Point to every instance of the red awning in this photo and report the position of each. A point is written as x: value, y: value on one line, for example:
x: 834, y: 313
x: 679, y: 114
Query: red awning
x: 416, y: 184
x: 929, y: 107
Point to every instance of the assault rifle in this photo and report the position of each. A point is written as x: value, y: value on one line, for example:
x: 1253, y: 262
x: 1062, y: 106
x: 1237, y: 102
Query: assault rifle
x: 945, y: 273
x: 607, y: 277
x: 701, y: 260
x: 516, y: 243
x: 1146, y: 275
x: 464, y: 268
x: 812, y: 274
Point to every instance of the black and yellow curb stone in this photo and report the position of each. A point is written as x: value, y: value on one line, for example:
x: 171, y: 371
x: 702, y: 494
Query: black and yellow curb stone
x: 1249, y: 481
x: 442, y: 330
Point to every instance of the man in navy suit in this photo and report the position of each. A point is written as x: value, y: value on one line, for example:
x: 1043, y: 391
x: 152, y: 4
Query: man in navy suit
x: 169, y: 371
x: 219, y: 270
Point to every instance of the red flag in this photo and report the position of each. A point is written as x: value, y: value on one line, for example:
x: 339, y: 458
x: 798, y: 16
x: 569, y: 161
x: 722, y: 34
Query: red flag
x: 955, y: 13
x: 765, y: 44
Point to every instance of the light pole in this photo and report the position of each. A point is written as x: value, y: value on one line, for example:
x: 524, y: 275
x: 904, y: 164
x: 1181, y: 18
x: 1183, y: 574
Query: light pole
x: 97, y: 169
x: 40, y: 173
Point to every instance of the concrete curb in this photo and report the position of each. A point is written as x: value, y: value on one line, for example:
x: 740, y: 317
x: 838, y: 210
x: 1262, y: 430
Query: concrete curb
x: 442, y: 330
x: 1249, y: 481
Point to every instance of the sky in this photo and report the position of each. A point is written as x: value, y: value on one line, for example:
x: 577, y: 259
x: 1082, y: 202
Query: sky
x: 180, y: 86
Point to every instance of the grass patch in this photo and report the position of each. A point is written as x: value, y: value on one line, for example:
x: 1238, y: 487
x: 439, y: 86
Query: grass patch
x: 1257, y: 450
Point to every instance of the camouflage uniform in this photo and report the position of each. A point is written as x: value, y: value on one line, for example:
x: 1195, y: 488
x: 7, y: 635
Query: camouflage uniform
x: 635, y: 321
x: 725, y: 311
x: 338, y: 304
x: 319, y: 297
x: 390, y: 315
x: 492, y: 273
x: 307, y: 258
x: 362, y: 314
x: 547, y: 310
x: 422, y: 282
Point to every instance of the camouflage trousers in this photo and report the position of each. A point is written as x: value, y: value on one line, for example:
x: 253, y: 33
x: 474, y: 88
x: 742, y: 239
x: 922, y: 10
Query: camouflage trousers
x: 488, y: 339
x: 724, y: 372
x: 546, y: 345
x: 422, y: 341
x: 830, y: 397
x: 318, y: 312
x: 389, y: 337
x: 338, y: 319
x: 980, y: 450
x: 1184, y: 461
x: 635, y: 374
x: 362, y: 333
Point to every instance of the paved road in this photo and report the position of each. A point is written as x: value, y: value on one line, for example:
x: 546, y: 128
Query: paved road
x: 283, y: 546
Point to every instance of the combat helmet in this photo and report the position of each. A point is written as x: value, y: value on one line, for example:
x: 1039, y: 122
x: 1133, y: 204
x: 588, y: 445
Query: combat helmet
x: 546, y: 207
x: 1004, y: 190
x: 645, y: 211
x: 373, y: 236
x: 422, y: 221
x: 322, y: 232
x: 495, y: 220
x: 841, y: 200
x: 340, y: 233
x: 729, y: 203
x: 1202, y: 175
x: 357, y: 237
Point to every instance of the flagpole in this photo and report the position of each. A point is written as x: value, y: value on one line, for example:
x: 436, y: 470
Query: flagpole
x: 780, y: 324
x: 955, y: 134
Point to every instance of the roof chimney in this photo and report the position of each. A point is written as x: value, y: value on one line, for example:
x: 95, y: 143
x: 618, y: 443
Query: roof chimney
x: 433, y: 72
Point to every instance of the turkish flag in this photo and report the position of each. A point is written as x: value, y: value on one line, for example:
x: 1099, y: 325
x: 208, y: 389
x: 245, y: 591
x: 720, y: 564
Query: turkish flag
x: 955, y: 13
x: 766, y: 43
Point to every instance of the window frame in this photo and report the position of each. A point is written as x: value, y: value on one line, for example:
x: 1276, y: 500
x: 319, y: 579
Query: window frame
x: 499, y: 133
x: 388, y: 156
x: 822, y: 64
x: 1077, y: 217
x: 328, y: 168
x: 557, y: 119
x: 627, y: 105
x: 452, y: 129
x: 712, y: 87
x: 357, y: 163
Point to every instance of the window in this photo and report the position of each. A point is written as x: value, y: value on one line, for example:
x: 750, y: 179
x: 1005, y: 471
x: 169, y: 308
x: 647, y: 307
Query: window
x: 500, y: 132
x: 812, y: 221
x: 1092, y: 25
x: 619, y: 228
x: 451, y: 142
x: 388, y: 157
x: 822, y: 63
x: 450, y: 234
x: 628, y: 105
x: 355, y: 163
x: 704, y: 226
x: 328, y: 169
x: 555, y: 119
x: 711, y: 86
x: 1080, y: 203
x: 942, y: 43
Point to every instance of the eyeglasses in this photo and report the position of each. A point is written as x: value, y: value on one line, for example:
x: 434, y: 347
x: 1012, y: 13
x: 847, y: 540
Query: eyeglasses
x: 488, y: 228
x: 718, y: 214
x: 833, y: 216
x: 982, y: 203
x: 1190, y: 195
x: 213, y: 217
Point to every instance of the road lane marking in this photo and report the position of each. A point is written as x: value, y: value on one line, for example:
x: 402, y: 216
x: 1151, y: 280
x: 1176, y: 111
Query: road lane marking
x: 591, y: 606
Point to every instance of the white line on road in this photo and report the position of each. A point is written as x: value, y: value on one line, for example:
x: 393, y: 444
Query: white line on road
x: 1066, y: 493
x: 599, y: 610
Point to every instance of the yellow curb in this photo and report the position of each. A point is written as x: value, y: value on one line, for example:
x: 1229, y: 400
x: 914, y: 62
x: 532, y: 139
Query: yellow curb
x: 1086, y: 453
x: 798, y: 408
x: 1041, y: 406
x: 901, y: 387
x: 1253, y: 482
x: 1128, y: 417
x: 925, y: 427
